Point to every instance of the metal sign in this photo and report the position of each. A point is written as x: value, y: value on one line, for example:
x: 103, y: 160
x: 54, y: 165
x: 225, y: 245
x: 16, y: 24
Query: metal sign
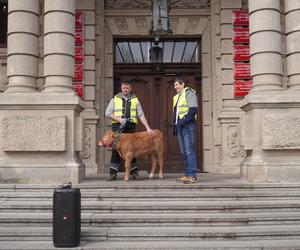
x: 242, y: 71
x: 241, y: 53
x: 240, y: 18
x: 240, y: 35
x: 242, y: 88
x: 78, y: 82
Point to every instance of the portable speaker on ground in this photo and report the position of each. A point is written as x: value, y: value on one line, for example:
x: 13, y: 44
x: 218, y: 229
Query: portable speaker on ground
x: 66, y: 216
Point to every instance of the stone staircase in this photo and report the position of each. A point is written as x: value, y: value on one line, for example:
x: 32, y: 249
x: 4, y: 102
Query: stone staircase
x: 219, y: 212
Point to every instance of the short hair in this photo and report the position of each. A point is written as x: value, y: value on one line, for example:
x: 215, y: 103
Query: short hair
x: 180, y: 80
x: 126, y: 82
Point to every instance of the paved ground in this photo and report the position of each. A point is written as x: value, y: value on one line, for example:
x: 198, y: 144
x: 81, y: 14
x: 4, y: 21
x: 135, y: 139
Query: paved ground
x: 204, y: 178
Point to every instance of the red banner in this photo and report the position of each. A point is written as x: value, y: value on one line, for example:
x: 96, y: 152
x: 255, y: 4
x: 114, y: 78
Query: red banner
x: 78, y: 83
x: 79, y: 72
x: 241, y: 53
x: 79, y: 89
x: 240, y: 35
x: 242, y: 71
x: 79, y: 40
x: 242, y: 88
x: 240, y: 18
x: 78, y: 19
x: 79, y: 55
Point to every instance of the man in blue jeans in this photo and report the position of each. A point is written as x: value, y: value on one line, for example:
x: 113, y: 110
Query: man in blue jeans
x: 185, y: 107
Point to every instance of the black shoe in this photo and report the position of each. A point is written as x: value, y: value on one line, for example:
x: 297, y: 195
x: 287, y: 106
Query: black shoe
x: 112, y: 177
x: 134, y: 175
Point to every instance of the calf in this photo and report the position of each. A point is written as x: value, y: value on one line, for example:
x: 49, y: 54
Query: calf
x: 137, y: 145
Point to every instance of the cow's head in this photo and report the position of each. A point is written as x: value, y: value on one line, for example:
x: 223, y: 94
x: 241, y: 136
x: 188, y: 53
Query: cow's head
x: 108, y: 139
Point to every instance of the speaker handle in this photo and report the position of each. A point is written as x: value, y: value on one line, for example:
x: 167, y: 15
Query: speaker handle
x: 66, y: 185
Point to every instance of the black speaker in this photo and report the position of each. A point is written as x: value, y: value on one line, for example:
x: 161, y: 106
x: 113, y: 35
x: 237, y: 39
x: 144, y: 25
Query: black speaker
x: 66, y: 216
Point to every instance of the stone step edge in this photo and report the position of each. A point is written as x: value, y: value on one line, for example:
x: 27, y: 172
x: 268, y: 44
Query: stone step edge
x: 161, y: 231
x: 36, y: 216
x: 163, y: 245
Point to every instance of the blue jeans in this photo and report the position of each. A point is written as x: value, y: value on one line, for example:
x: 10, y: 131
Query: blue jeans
x: 186, y: 137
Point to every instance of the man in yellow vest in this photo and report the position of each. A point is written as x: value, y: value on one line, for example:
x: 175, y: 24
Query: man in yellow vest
x: 185, y: 107
x: 122, y: 106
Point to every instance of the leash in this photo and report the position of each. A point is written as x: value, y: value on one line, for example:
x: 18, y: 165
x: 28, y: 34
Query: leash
x: 119, y: 132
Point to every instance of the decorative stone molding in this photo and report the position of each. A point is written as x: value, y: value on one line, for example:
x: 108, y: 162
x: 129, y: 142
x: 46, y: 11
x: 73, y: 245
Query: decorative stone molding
x: 33, y: 133
x: 142, y: 24
x: 281, y: 131
x: 140, y: 4
x: 234, y: 149
x: 181, y: 25
x: 126, y: 4
x: 190, y: 4
x: 86, y: 152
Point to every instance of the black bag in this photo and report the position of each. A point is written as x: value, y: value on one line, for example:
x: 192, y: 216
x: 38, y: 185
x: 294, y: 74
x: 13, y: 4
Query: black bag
x: 66, y: 216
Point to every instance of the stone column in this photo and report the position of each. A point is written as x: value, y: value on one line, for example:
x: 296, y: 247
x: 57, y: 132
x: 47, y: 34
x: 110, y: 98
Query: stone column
x: 59, y: 45
x: 265, y: 44
x: 42, y: 132
x: 292, y: 29
x: 272, y: 116
x: 22, y: 49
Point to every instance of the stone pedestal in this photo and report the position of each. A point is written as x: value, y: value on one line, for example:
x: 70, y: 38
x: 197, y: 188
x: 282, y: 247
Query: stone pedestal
x: 232, y: 150
x: 272, y: 137
x: 88, y: 153
x: 41, y: 136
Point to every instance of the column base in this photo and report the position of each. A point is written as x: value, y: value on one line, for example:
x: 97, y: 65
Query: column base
x: 272, y: 142
x: 52, y: 173
x: 41, y: 138
x: 267, y: 172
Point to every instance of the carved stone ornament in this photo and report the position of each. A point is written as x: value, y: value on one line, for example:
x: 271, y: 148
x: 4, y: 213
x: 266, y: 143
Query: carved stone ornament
x: 86, y: 152
x: 133, y: 4
x: 189, y: 4
x: 281, y: 130
x: 234, y: 149
x: 139, y: 25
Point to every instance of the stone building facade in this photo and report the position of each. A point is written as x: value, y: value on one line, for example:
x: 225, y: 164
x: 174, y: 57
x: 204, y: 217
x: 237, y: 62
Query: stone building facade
x: 48, y: 134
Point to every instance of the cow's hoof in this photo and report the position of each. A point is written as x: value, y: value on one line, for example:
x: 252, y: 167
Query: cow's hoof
x: 160, y: 177
x: 126, y: 179
x: 151, y: 176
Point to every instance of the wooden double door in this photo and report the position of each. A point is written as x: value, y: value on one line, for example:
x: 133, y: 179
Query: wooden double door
x: 156, y: 96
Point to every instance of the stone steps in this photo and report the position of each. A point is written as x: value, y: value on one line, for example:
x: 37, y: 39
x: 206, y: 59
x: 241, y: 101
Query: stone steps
x: 265, y: 232
x: 159, y: 215
x: 150, y: 219
x: 160, y: 245
x: 157, y: 195
x: 175, y: 206
x: 153, y: 185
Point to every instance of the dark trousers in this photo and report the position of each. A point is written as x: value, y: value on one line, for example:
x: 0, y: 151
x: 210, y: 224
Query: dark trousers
x: 115, y: 160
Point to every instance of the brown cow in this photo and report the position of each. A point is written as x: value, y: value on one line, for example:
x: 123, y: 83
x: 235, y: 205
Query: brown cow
x: 137, y: 145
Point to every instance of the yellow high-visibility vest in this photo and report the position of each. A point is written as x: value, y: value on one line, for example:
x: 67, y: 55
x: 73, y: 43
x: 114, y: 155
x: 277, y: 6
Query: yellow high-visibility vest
x: 119, y: 110
x: 182, y: 104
